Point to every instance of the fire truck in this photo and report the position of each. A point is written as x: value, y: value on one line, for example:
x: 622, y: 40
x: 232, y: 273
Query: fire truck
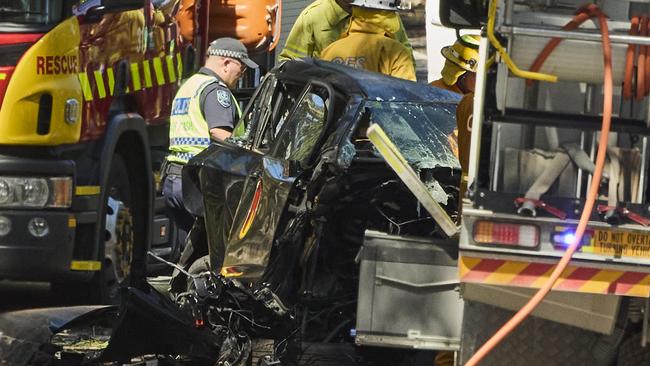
x: 85, y: 94
x: 558, y: 169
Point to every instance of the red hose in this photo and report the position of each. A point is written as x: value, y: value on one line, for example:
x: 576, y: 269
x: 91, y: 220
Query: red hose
x: 641, y: 60
x: 508, y: 327
x: 629, y: 60
x: 646, y: 71
x: 583, y: 14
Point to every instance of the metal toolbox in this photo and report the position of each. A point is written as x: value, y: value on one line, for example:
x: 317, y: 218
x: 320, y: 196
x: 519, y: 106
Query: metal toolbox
x: 408, y: 293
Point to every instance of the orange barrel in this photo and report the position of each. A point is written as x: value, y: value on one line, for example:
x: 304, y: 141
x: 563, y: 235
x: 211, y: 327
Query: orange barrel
x: 185, y: 18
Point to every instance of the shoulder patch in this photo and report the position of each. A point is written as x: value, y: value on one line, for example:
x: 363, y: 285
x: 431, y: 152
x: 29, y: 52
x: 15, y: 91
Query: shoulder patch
x: 224, y: 98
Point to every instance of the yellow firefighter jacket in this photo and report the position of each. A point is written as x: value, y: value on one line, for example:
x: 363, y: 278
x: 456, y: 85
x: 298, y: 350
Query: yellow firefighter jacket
x: 464, y: 114
x: 368, y: 46
x: 321, y: 23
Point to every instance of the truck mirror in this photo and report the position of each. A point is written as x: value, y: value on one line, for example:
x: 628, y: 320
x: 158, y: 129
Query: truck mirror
x: 122, y: 5
x: 95, y: 13
x: 466, y: 14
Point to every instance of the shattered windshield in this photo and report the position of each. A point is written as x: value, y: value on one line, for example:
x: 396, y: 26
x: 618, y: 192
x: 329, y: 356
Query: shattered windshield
x: 31, y: 12
x: 421, y: 131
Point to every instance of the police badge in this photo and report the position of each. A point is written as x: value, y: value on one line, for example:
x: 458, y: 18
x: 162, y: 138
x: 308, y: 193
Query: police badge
x: 224, y: 98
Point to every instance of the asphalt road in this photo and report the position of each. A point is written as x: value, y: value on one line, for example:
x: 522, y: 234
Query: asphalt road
x: 25, y: 295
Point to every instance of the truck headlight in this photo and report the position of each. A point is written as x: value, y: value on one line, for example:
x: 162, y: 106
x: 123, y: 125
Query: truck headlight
x: 55, y: 192
x: 5, y: 225
x: 5, y: 192
x: 35, y: 192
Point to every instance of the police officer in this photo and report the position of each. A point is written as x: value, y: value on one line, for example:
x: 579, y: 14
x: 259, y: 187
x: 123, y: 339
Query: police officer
x: 203, y: 109
x: 320, y: 24
x: 368, y: 43
x: 461, y: 60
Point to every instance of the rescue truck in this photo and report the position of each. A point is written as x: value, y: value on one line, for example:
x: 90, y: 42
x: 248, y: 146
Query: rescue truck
x: 548, y: 182
x: 85, y: 94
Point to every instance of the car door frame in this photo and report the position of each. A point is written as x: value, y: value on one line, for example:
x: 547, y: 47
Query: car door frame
x: 247, y: 256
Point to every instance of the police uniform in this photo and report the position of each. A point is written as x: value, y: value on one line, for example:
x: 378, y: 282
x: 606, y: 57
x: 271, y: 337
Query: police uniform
x: 203, y: 102
x: 368, y: 46
x: 320, y: 24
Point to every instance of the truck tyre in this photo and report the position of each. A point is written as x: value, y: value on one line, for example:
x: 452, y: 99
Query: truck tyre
x: 116, y: 245
x: 118, y: 239
x: 632, y: 354
x: 535, y: 342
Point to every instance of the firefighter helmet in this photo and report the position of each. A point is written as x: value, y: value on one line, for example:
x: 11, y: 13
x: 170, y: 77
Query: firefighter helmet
x: 380, y: 4
x: 464, y: 52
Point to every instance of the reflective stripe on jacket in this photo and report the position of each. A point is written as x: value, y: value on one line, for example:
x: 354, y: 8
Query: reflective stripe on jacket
x: 368, y: 47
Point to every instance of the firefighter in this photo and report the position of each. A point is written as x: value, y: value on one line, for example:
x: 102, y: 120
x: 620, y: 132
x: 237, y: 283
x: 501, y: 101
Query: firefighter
x: 459, y: 72
x: 368, y: 42
x: 321, y: 23
x: 203, y: 109
x: 459, y: 76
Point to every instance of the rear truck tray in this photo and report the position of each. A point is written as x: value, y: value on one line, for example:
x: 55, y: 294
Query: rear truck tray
x: 408, y: 293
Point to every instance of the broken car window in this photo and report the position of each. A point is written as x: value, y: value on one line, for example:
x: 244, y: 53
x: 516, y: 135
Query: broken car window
x: 250, y: 119
x: 419, y: 130
x: 298, y: 138
x: 285, y: 97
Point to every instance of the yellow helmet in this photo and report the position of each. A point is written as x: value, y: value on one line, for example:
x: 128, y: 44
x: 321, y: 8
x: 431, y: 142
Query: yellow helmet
x: 464, y: 52
x: 461, y: 57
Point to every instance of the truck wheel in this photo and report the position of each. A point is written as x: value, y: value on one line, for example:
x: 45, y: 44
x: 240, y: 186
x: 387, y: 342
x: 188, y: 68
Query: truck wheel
x: 535, y: 342
x: 118, y: 245
x: 632, y: 354
x: 118, y: 234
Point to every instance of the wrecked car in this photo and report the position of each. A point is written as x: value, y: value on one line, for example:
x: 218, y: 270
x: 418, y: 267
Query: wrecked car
x: 316, y: 249
x: 301, y: 210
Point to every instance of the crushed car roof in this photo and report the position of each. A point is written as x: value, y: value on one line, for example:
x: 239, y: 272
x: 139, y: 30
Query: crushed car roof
x: 371, y: 85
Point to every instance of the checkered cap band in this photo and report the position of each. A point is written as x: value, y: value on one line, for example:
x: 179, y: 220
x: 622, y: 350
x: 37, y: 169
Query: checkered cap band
x: 226, y: 53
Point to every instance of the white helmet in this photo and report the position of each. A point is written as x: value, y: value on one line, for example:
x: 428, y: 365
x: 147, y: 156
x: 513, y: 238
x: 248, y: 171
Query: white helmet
x: 382, y: 4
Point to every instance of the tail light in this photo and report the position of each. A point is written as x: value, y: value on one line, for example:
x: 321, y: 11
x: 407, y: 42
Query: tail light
x: 512, y: 235
x: 231, y: 271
